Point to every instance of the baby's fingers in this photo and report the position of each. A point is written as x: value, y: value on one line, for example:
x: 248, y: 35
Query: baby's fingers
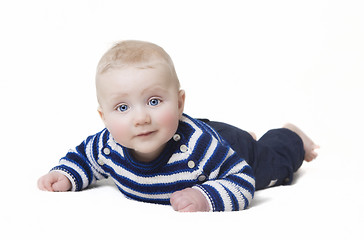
x: 45, y: 185
x: 189, y: 207
x: 179, y: 201
x: 176, y: 200
x: 54, y: 182
x: 62, y: 185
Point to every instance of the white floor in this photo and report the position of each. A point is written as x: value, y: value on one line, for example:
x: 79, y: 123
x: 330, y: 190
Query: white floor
x: 255, y: 65
x: 325, y: 201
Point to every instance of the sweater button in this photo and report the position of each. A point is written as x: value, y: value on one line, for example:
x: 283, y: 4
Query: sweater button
x: 202, y: 178
x: 191, y: 164
x: 106, y: 151
x: 100, y: 162
x: 183, y: 148
x: 176, y: 137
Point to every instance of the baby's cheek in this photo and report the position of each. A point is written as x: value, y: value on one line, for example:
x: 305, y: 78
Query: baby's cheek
x: 117, y: 129
x: 169, y: 119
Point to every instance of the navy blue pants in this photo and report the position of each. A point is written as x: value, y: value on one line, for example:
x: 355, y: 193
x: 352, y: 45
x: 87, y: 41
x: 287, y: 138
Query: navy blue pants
x: 274, y: 157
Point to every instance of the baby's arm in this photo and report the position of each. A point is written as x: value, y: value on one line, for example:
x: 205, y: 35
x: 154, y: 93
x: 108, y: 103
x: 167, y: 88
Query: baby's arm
x: 54, y: 182
x: 231, y: 189
x: 78, y: 169
x: 189, y: 200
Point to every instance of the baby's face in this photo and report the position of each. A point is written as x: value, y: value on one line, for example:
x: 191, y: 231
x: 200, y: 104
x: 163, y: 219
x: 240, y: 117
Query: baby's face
x: 140, y: 107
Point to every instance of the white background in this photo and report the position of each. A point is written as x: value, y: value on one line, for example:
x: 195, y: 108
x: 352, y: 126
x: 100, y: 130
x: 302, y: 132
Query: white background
x: 254, y: 64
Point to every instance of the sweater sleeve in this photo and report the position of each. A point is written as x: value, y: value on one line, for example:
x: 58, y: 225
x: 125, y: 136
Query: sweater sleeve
x: 80, y: 165
x: 231, y: 187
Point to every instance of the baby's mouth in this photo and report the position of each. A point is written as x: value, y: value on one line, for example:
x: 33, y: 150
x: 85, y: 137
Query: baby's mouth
x: 145, y: 134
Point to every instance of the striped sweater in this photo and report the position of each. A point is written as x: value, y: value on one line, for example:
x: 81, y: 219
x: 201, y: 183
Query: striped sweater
x: 195, y: 157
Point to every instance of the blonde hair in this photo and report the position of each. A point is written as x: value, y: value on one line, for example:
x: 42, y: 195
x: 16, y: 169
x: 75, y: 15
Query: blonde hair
x: 135, y: 53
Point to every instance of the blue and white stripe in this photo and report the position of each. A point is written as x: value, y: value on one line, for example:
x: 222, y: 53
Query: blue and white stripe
x: 225, y: 179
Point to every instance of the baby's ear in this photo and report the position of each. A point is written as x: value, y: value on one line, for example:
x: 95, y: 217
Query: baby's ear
x: 181, y: 101
x: 101, y: 113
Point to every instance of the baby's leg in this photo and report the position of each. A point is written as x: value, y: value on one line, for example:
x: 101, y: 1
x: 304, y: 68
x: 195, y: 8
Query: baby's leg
x: 308, y: 144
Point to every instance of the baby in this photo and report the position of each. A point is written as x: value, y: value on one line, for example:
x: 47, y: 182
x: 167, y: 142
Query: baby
x: 156, y: 153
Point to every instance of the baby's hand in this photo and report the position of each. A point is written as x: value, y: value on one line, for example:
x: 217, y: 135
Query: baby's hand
x: 54, y: 182
x: 189, y: 200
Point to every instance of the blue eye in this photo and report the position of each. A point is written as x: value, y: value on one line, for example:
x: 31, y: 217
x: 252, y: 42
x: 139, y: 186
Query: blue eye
x: 123, y: 108
x: 154, y: 102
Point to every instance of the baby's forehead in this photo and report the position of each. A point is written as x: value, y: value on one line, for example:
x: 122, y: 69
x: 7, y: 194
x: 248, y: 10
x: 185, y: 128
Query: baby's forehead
x: 165, y: 74
x: 127, y: 69
x: 153, y: 64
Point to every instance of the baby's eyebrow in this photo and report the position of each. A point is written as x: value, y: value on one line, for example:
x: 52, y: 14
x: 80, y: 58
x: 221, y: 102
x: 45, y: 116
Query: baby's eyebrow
x: 117, y: 96
x: 154, y: 89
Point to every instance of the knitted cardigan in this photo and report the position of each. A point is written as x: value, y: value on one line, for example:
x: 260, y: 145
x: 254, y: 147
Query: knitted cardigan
x: 195, y: 157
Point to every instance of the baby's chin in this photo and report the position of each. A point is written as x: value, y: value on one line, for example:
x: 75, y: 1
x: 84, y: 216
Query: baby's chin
x: 147, y: 154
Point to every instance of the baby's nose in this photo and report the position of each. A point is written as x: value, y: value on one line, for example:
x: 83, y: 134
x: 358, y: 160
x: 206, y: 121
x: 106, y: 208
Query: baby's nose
x: 141, y: 117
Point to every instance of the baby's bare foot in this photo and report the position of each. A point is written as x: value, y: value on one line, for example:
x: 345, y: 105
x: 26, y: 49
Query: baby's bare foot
x: 253, y: 135
x: 308, y: 144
